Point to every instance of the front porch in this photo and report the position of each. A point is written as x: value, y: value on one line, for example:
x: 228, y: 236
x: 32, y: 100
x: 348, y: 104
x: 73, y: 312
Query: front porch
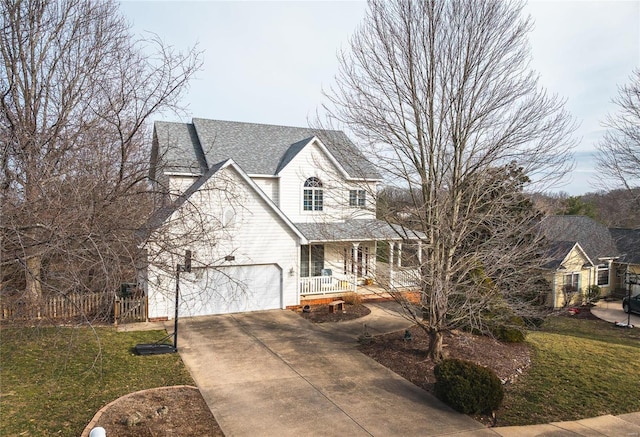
x: 363, y: 256
x: 385, y: 280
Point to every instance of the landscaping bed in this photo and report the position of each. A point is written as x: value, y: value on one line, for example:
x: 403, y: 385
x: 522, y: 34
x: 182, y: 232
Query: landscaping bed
x: 408, y: 358
x: 321, y: 314
x: 175, y: 411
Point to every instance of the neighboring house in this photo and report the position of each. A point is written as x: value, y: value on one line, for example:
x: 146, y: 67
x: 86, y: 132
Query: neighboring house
x: 584, y: 253
x: 270, y: 213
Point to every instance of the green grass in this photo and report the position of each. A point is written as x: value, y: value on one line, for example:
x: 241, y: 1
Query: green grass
x: 580, y: 368
x: 53, y: 380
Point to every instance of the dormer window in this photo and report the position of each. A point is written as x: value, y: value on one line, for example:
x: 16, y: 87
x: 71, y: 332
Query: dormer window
x: 312, y: 198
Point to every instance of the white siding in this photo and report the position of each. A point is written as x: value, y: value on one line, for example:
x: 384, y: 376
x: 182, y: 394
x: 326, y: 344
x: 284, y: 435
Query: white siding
x: 239, y: 224
x: 269, y: 186
x: 180, y: 184
x: 312, y: 162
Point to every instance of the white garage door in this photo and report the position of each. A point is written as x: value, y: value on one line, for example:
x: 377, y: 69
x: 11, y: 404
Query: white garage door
x: 231, y: 290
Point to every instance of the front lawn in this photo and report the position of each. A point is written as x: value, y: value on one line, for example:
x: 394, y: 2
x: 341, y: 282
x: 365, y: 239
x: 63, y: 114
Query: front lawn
x: 580, y: 368
x: 55, y: 379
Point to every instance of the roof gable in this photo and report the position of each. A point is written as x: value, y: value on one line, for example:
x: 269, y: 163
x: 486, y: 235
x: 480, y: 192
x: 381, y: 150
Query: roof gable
x: 161, y: 215
x: 296, y: 149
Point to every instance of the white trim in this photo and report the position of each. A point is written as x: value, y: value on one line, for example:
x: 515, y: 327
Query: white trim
x: 259, y: 175
x: 178, y: 173
x: 577, y: 245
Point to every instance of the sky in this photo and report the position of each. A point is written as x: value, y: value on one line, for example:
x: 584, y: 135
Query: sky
x: 268, y: 61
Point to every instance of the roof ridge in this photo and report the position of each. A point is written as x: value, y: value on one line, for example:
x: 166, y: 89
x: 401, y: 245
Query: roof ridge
x: 267, y: 124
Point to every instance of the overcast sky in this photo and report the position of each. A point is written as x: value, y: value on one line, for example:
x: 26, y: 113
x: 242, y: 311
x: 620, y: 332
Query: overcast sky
x: 267, y: 62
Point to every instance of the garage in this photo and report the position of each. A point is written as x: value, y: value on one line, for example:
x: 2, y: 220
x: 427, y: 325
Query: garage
x: 230, y: 289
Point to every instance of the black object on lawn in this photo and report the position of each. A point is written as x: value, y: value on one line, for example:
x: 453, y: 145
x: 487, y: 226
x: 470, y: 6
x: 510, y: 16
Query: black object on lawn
x: 159, y: 347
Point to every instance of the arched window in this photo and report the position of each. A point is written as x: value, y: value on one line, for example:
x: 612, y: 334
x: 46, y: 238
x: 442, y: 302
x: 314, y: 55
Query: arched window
x: 312, y: 199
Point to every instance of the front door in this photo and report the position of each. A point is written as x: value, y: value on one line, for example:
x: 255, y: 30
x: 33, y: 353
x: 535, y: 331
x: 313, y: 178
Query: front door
x: 359, y: 265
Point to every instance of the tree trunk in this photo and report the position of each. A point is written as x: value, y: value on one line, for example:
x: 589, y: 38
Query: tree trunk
x: 435, y: 345
x: 33, y: 285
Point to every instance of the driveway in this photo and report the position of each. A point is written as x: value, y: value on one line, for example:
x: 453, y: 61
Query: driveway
x: 274, y: 373
x: 612, y: 312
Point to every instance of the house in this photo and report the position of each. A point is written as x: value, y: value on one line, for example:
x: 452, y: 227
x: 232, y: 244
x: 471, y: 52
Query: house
x: 584, y: 253
x: 268, y: 213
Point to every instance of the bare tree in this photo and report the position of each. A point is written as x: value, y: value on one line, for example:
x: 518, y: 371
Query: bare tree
x: 77, y: 91
x: 618, y: 155
x: 442, y: 95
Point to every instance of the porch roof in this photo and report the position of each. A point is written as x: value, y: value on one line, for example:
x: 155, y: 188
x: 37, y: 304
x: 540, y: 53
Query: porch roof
x: 357, y: 230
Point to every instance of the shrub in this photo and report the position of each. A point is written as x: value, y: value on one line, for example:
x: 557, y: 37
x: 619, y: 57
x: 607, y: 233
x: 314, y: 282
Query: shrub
x: 508, y: 335
x: 510, y: 332
x: 468, y: 387
x: 352, y: 298
x: 593, y: 294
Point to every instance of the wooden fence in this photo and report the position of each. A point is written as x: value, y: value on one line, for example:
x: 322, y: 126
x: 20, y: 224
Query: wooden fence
x: 92, y: 306
x: 130, y: 309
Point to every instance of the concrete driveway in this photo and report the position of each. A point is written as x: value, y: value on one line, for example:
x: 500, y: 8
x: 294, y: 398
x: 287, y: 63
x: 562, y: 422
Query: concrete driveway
x: 612, y: 312
x: 273, y: 373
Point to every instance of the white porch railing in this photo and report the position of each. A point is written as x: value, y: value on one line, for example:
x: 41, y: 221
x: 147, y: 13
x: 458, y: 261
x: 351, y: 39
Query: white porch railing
x: 326, y: 284
x: 405, y: 277
x: 397, y: 277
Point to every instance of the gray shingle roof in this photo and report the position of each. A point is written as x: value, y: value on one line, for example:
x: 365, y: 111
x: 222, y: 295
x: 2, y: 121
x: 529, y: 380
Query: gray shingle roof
x: 593, y: 237
x: 179, y: 148
x: 355, y: 230
x: 558, y: 251
x: 628, y: 243
x: 256, y: 148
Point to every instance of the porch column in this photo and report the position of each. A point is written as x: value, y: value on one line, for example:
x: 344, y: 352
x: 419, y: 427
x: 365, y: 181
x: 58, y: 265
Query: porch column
x: 354, y: 264
x: 419, y: 252
x: 399, y: 254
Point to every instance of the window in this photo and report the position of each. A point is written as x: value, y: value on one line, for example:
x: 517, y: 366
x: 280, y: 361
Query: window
x: 311, y: 260
x: 312, y: 197
x: 572, y: 280
x: 358, y: 198
x: 603, y: 275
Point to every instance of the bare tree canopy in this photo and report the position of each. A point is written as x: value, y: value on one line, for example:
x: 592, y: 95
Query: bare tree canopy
x: 443, y: 94
x: 619, y: 151
x: 77, y: 90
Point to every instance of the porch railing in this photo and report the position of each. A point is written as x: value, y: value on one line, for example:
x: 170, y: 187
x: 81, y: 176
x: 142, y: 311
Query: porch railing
x: 405, y: 277
x: 397, y: 277
x: 326, y: 284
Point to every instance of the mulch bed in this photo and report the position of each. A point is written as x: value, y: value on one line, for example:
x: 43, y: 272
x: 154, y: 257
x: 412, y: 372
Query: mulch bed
x: 321, y: 314
x: 176, y: 412
x: 582, y: 312
x: 408, y: 358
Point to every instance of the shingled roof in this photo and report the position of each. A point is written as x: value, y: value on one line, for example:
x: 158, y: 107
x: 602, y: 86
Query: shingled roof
x: 594, y: 238
x: 628, y: 243
x: 356, y: 230
x: 259, y: 149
